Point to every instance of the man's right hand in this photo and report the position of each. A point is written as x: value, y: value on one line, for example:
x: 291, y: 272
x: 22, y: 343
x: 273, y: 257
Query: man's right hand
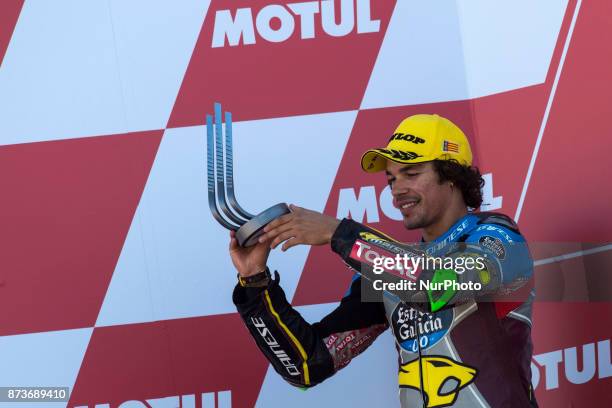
x: 248, y: 261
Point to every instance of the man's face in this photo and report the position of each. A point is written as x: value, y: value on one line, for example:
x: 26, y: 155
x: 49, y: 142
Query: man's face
x: 417, y: 193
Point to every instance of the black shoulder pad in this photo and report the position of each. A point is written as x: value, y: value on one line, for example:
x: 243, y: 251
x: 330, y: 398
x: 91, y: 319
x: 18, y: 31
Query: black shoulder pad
x: 498, y: 219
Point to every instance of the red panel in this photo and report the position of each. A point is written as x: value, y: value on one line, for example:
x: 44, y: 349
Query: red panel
x: 566, y: 325
x: 579, y: 279
x: 169, y: 358
x: 9, y: 13
x: 507, y: 128
x: 65, y: 211
x: 267, y: 79
x: 569, y: 195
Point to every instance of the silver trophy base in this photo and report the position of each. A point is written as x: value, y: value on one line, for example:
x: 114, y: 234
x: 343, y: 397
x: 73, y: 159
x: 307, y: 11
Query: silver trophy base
x: 249, y: 233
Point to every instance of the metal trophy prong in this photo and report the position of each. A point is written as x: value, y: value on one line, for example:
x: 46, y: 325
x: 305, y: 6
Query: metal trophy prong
x: 234, y: 218
x: 221, y: 197
x: 229, y: 169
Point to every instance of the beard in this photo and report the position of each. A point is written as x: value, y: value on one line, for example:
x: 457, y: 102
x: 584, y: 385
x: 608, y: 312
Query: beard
x: 414, y: 221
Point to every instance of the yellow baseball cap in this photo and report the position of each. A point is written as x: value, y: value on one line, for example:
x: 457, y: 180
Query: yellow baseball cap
x: 421, y: 138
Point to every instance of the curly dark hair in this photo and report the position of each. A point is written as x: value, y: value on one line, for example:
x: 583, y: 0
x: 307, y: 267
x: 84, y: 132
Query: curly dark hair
x: 467, y: 178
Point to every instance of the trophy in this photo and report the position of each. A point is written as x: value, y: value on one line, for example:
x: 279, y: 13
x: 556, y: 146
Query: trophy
x: 221, y: 198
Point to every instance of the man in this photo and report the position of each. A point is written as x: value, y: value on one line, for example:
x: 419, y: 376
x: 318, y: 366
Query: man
x: 463, y: 348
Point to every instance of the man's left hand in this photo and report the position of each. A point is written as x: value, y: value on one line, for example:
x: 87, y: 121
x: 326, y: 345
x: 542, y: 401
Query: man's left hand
x: 300, y: 226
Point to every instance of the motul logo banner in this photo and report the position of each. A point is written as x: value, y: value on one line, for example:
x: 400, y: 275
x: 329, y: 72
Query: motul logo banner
x: 568, y: 364
x: 278, y: 23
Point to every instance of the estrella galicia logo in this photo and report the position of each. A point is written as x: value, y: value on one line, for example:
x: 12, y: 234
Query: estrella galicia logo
x: 494, y: 245
x: 407, y: 322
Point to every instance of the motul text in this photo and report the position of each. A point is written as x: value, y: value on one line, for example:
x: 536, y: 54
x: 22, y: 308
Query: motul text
x: 241, y: 27
x: 224, y: 400
x: 591, y: 364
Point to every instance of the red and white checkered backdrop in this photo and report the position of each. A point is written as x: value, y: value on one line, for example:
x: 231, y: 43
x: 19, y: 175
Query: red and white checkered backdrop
x: 115, y: 279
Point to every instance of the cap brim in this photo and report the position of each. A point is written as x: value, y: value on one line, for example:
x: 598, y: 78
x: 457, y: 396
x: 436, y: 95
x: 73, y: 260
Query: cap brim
x: 375, y: 160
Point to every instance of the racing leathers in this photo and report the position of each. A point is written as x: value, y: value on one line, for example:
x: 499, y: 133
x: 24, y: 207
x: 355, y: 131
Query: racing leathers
x: 473, y: 351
